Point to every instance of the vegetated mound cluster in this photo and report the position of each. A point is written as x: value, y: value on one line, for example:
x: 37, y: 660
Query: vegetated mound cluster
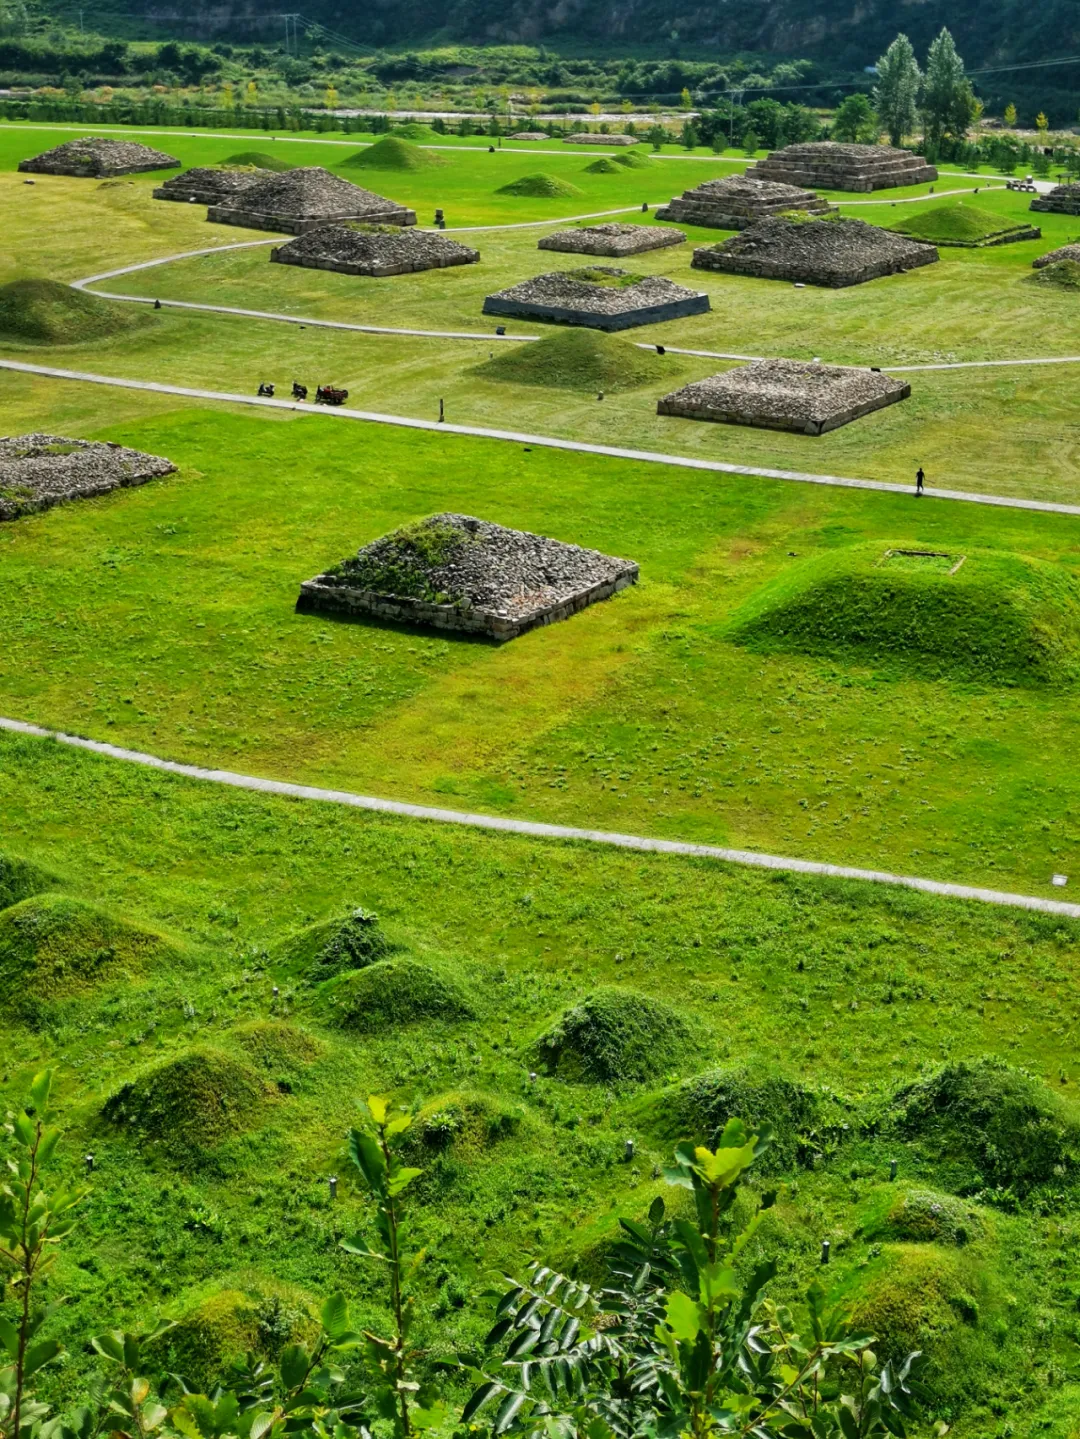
x: 807, y: 397
x: 47, y: 312
x: 963, y: 226
x: 456, y: 572
x: 614, y: 1036
x: 540, y: 186
x: 395, y: 992
x: 836, y: 165
x: 375, y: 250
x: 986, y: 617
x: 192, y: 1103
x: 1061, y: 275
x: 832, y: 252
x: 737, y: 201
x: 611, y: 239
x: 333, y: 946
x: 603, y: 297
x: 393, y: 152
x: 577, y: 359
x: 97, y: 157
x: 301, y: 199
x: 37, y: 471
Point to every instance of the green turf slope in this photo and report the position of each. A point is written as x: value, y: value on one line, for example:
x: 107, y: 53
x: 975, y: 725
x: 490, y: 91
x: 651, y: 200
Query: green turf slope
x: 578, y: 360
x: 46, y: 312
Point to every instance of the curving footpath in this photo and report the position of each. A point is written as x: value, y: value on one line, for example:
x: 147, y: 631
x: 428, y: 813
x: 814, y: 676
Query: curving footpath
x: 537, y: 830
x: 549, y: 442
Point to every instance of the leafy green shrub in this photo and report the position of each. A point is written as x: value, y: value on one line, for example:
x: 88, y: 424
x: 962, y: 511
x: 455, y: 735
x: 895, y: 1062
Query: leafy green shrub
x: 395, y: 992
x: 191, y: 1103
x: 614, y: 1036
x: 46, y: 312
x: 333, y: 946
x: 540, y: 187
x: 19, y: 879
x: 586, y: 360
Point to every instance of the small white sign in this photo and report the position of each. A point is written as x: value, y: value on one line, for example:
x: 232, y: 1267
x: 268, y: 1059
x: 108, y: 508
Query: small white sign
x: 1059, y: 880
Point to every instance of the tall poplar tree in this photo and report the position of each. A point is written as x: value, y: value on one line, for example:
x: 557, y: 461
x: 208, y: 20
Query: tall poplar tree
x: 896, y: 95
x: 948, y: 102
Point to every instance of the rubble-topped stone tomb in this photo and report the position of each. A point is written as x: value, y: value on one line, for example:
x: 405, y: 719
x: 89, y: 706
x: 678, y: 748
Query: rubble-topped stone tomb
x: 530, y: 135
x: 799, y: 395
x: 303, y: 199
x: 453, y: 572
x: 1066, y: 252
x: 833, y: 252
x: 589, y: 139
x: 376, y: 250
x: 829, y: 165
x: 206, y: 185
x: 612, y: 239
x: 599, y: 297
x: 96, y: 157
x: 737, y: 201
x: 1062, y: 200
x: 38, y: 471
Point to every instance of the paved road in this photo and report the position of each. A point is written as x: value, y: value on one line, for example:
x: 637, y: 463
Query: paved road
x: 546, y: 831
x: 550, y: 442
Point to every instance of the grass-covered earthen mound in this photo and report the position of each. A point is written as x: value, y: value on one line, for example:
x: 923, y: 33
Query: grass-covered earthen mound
x: 956, y: 223
x: 587, y: 360
x: 998, y: 619
x: 205, y: 1340
x: 259, y: 160
x: 52, y: 946
x: 192, y: 1103
x: 925, y: 1216
x: 991, y: 1125
x: 464, y: 1124
x: 1060, y: 275
x: 45, y: 312
x: 634, y: 160
x: 413, y: 130
x: 540, y: 186
x: 603, y: 166
x: 393, y: 993
x: 277, y: 1047
x: 614, y: 1036
x: 393, y: 153
x: 19, y: 879
x: 333, y: 946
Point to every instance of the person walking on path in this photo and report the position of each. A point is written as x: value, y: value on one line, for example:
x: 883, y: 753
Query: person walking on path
x: 919, y: 478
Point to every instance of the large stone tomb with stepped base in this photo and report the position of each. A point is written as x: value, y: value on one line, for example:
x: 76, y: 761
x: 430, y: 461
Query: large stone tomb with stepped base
x: 454, y: 572
x: 205, y: 185
x: 303, y: 199
x: 738, y: 201
x: 804, y: 396
x: 828, y: 165
x: 613, y: 300
x: 1062, y: 200
x: 612, y: 240
x: 376, y: 250
x: 832, y: 252
x: 98, y: 158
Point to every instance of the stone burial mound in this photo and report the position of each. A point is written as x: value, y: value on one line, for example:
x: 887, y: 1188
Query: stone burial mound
x: 205, y: 185
x: 37, y: 471
x: 586, y: 139
x: 377, y: 250
x: 738, y: 201
x: 454, y: 572
x: 832, y: 252
x: 303, y: 199
x: 807, y: 397
x: 614, y: 240
x: 600, y: 297
x: 1062, y: 200
x: 530, y: 135
x: 98, y: 158
x: 1054, y: 257
x: 828, y: 165
x: 962, y: 226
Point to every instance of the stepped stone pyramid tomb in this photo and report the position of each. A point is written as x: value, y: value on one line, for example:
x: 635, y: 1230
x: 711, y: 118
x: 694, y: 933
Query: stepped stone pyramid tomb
x: 832, y: 252
x: 1062, y: 200
x: 614, y: 240
x: 799, y: 395
x: 204, y: 185
x: 600, y: 298
x: 454, y: 572
x: 373, y: 250
x: 738, y: 201
x: 827, y: 165
x: 98, y: 158
x: 38, y: 471
x: 303, y: 199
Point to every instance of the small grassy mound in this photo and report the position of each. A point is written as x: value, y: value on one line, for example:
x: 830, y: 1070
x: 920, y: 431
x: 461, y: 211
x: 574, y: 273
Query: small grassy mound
x: 277, y: 1047
x: 1061, y: 275
x: 19, y: 879
x: 45, y: 312
x: 614, y: 1036
x: 603, y: 166
x: 990, y: 1124
x: 52, y: 946
x: 192, y: 1103
x: 260, y: 160
x: 999, y: 619
x: 465, y: 1123
x: 924, y: 1216
x: 577, y: 360
x: 540, y: 187
x: 395, y: 992
x: 954, y: 221
x: 393, y: 153
x: 333, y: 946
x: 203, y: 1342
x: 413, y: 130
x: 634, y: 160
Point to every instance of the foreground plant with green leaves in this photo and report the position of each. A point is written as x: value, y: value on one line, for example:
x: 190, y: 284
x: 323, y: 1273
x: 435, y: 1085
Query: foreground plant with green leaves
x: 679, y: 1342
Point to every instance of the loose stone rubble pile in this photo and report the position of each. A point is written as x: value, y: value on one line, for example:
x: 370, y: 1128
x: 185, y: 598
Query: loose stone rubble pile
x: 38, y: 471
x: 455, y: 572
x: 828, y: 165
x: 1066, y: 252
x: 303, y: 199
x: 377, y: 251
x: 530, y: 135
x: 207, y: 186
x: 577, y: 299
x: 830, y: 252
x: 97, y: 157
x: 809, y: 398
x: 588, y: 139
x: 737, y: 201
x: 1062, y: 200
x: 611, y: 239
